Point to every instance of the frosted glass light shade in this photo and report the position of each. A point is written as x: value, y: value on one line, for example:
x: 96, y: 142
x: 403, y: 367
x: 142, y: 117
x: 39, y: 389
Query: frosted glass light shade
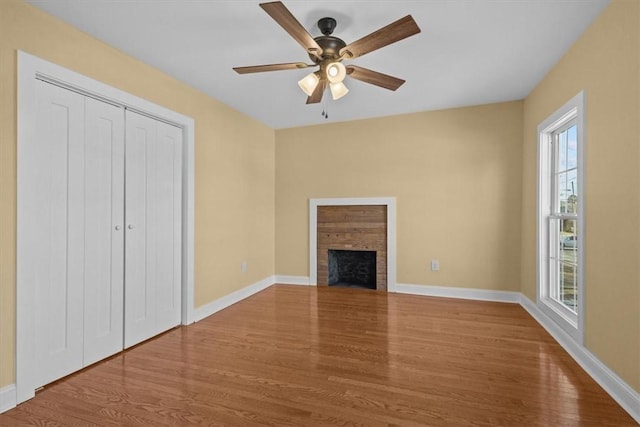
x: 338, y: 90
x: 308, y: 83
x: 336, y: 72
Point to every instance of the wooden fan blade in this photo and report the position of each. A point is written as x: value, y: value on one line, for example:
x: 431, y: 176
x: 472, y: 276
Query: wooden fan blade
x: 375, y: 78
x: 396, y: 31
x: 316, y: 96
x: 282, y: 16
x: 271, y: 67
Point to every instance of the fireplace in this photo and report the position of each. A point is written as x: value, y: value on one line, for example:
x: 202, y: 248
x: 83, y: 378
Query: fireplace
x: 352, y: 237
x: 353, y: 269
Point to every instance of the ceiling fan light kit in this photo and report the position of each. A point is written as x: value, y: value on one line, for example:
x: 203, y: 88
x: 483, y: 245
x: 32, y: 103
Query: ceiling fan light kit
x: 338, y: 90
x: 309, y: 83
x: 336, y: 72
x: 327, y: 52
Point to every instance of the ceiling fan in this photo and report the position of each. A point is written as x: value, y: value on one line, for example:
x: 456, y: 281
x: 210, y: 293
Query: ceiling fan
x: 328, y: 52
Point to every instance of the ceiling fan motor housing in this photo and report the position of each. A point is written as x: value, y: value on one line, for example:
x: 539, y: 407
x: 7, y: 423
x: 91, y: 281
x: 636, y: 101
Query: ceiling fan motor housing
x: 330, y: 45
x: 330, y: 48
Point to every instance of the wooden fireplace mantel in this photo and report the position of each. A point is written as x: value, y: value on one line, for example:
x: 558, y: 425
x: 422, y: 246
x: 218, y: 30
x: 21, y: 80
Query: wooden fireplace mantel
x: 353, y: 224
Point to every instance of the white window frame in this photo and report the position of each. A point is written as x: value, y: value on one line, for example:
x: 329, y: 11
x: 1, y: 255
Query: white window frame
x: 573, y: 110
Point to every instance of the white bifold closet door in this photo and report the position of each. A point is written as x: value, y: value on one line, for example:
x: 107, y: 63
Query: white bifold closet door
x: 103, y: 230
x: 103, y: 242
x: 153, y: 220
x: 76, y: 255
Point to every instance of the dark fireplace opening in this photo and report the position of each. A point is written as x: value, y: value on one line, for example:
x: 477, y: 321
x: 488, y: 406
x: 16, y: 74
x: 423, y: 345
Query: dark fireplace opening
x: 356, y: 269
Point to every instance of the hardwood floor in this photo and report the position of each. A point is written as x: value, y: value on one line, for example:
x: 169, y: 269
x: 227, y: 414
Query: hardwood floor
x: 307, y: 356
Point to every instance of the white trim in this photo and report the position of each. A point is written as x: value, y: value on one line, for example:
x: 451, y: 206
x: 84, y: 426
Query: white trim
x: 389, y: 202
x: 31, y: 68
x: 617, y: 388
x: 7, y: 398
x: 293, y: 280
x: 463, y: 293
x: 234, y: 297
x: 188, y: 224
x: 575, y: 107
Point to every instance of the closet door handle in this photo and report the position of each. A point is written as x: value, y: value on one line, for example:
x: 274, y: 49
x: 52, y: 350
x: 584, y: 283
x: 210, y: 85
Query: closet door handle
x: 130, y: 226
x: 118, y: 227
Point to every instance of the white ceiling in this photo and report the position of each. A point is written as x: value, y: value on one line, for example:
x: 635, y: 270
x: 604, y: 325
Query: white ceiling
x: 469, y: 52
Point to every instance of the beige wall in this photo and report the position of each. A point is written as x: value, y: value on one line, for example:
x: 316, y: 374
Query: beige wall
x: 234, y: 175
x: 604, y: 62
x: 464, y: 181
x: 456, y: 175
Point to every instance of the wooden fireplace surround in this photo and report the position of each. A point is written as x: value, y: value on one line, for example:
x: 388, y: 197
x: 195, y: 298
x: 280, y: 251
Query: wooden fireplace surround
x: 352, y: 227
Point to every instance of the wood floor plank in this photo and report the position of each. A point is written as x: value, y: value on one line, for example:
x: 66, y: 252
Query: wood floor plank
x: 307, y: 356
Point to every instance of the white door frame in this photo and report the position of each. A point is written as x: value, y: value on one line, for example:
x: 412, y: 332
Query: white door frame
x: 389, y: 202
x: 30, y: 69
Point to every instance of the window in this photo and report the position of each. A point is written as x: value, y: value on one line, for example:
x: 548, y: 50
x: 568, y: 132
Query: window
x: 561, y: 216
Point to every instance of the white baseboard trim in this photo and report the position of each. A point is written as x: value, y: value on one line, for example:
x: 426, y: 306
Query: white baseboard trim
x: 617, y: 388
x: 293, y: 280
x: 234, y: 297
x: 7, y: 398
x: 463, y: 293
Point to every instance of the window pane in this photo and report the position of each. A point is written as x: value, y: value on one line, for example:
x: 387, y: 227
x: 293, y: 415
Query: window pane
x: 555, y: 249
x: 561, y: 192
x: 572, y: 191
x: 568, y: 243
x: 572, y: 147
x: 567, y: 292
x: 562, y: 151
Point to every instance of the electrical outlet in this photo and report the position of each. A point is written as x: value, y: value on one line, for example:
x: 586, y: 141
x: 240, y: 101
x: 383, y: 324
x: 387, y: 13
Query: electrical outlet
x: 435, y: 265
x: 244, y: 267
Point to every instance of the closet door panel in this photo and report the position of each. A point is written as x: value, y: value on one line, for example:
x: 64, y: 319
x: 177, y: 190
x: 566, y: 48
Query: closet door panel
x: 54, y: 212
x: 139, y: 258
x: 167, y: 222
x: 104, y: 233
x: 152, y: 246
